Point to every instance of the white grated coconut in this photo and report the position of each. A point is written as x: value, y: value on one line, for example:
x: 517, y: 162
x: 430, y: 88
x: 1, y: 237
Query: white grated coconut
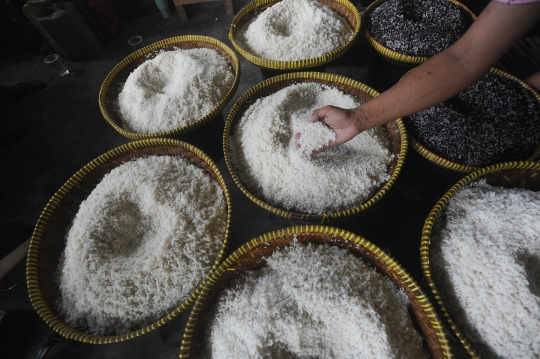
x: 314, y: 136
x: 263, y: 151
x: 294, y: 30
x: 312, y: 301
x: 486, y: 264
x: 139, y: 244
x: 174, y: 89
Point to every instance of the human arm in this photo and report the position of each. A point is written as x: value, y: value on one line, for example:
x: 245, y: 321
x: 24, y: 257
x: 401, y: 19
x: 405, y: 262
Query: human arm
x: 497, y: 28
x: 534, y: 81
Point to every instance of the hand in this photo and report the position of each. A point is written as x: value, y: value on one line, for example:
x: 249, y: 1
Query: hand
x: 340, y: 120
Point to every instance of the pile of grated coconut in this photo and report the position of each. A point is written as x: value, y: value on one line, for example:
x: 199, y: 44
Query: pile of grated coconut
x: 139, y: 244
x: 314, y: 136
x: 312, y: 301
x: 294, y: 30
x: 486, y: 264
x: 174, y: 89
x: 263, y: 151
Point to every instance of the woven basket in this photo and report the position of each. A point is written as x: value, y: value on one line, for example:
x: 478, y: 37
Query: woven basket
x: 109, y: 91
x: 395, y: 56
x: 252, y: 256
x: 395, y: 130
x: 438, y: 160
x: 343, y: 7
x: 524, y: 174
x: 48, y: 238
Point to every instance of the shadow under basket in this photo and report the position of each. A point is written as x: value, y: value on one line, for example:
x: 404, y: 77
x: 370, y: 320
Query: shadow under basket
x: 111, y: 87
x: 253, y: 254
x: 394, y: 129
x: 48, y: 240
x: 270, y: 68
x: 524, y: 174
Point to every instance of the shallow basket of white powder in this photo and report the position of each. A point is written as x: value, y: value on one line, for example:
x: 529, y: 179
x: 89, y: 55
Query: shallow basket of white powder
x: 510, y: 175
x: 342, y: 7
x: 113, y: 83
x: 395, y: 56
x: 394, y: 132
x: 459, y: 167
x: 253, y: 255
x: 48, y: 240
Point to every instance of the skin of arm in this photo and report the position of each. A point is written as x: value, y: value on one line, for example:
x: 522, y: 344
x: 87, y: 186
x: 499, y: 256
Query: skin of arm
x: 534, y: 81
x: 444, y: 75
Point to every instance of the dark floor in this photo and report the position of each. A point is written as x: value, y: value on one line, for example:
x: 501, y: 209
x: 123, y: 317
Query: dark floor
x: 64, y: 130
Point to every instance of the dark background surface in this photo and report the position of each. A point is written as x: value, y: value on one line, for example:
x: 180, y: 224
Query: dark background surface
x: 62, y: 130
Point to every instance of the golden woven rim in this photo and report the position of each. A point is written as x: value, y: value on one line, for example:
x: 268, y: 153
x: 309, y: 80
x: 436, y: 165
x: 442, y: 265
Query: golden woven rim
x: 195, y: 40
x: 438, y: 160
x: 346, y: 240
x: 430, y: 222
x: 34, y: 289
x: 258, y: 6
x: 317, y: 77
x: 394, y: 55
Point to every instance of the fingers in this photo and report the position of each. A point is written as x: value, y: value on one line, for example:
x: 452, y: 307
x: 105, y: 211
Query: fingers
x: 314, y: 117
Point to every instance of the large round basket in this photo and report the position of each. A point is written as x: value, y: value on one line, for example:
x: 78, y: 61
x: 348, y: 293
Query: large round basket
x: 394, y: 56
x: 111, y: 87
x: 394, y: 129
x: 438, y: 160
x: 343, y: 7
x: 48, y: 241
x: 253, y: 254
x: 524, y: 174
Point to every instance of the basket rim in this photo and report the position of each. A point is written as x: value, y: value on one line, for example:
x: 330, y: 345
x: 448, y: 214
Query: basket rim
x: 407, y: 279
x: 443, y: 162
x: 393, y: 55
x: 155, y: 46
x: 34, y: 291
x: 430, y: 222
x: 325, y: 217
x: 295, y: 64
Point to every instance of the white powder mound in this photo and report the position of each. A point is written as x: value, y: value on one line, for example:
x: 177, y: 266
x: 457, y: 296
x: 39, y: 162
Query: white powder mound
x: 174, y: 89
x: 314, y: 136
x: 294, y: 30
x: 263, y: 151
x: 486, y: 263
x: 139, y: 244
x: 312, y: 301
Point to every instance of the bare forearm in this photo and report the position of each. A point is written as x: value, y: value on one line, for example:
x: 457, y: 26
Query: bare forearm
x: 454, y: 69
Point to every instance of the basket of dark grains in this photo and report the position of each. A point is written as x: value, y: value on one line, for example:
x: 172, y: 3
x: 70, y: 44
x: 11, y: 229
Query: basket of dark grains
x: 497, y: 119
x: 410, y: 31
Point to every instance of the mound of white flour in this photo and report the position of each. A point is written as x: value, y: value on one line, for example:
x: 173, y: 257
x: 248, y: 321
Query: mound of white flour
x: 263, y: 151
x: 294, y: 30
x: 139, y: 244
x: 486, y: 264
x: 312, y: 301
x: 174, y: 89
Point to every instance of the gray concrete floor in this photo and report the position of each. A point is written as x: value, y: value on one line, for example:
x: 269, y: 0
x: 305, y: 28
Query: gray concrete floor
x: 65, y: 130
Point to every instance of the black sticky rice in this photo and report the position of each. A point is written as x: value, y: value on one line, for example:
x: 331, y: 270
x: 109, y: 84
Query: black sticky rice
x: 495, y: 120
x: 418, y: 28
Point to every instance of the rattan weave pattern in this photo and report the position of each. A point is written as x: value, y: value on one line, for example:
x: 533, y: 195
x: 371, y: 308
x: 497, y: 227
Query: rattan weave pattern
x: 525, y: 174
x: 343, y: 7
x: 108, y: 92
x: 438, y: 160
x: 394, y: 55
x: 251, y: 256
x: 47, y: 241
x: 395, y: 129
